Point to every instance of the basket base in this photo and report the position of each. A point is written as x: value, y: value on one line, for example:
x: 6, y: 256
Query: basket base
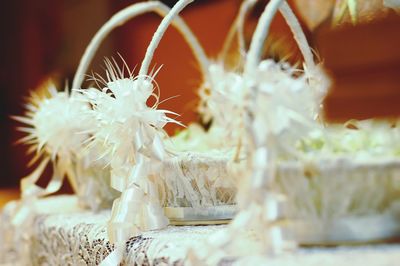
x: 222, y: 214
x: 345, y: 231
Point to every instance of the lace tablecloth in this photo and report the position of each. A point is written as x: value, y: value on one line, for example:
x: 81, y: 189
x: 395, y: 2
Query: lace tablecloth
x: 63, y: 234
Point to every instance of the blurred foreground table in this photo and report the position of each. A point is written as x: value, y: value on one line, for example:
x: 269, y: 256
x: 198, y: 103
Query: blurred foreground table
x: 63, y: 234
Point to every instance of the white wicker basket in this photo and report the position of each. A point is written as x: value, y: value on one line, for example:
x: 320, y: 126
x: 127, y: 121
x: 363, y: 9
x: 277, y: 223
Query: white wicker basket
x: 333, y: 198
x: 194, y: 183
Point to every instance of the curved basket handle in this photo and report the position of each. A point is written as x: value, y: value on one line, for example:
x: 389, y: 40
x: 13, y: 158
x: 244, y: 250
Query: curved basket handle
x: 162, y: 28
x: 298, y: 34
x: 237, y: 28
x: 123, y: 16
x: 262, y: 30
x: 290, y: 18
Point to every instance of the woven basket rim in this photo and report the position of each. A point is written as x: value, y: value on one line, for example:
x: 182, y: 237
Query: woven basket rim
x: 342, y: 162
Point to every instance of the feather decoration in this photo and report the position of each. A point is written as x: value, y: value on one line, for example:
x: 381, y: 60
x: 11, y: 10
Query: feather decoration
x: 56, y: 127
x: 58, y: 124
x: 222, y: 102
x: 54, y: 123
x: 223, y: 94
x: 120, y: 110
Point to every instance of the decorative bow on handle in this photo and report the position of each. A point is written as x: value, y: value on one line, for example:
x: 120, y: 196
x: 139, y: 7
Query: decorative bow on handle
x: 130, y: 132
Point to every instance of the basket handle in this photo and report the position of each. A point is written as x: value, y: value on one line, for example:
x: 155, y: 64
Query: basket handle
x: 128, y: 13
x: 262, y: 30
x: 237, y: 28
x: 155, y: 41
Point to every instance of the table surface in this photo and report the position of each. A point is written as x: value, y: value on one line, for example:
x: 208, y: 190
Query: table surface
x: 64, y: 234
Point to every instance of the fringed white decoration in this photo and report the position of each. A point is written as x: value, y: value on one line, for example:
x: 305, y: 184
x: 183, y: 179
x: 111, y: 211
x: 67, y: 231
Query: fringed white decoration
x: 60, y: 126
x: 222, y: 102
x: 56, y: 135
x: 223, y: 94
x: 56, y: 130
x: 287, y: 105
x: 124, y: 121
x: 130, y: 133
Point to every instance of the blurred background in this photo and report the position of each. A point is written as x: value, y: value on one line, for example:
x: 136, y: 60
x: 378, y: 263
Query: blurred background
x: 45, y: 38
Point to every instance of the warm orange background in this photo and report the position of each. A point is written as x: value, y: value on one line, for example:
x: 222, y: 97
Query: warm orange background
x: 45, y: 37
